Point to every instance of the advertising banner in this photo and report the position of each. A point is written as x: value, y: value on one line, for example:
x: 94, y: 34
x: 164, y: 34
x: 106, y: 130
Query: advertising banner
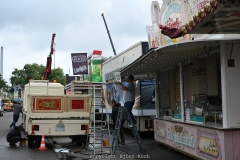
x: 96, y: 55
x: 96, y: 72
x: 113, y: 91
x: 79, y: 63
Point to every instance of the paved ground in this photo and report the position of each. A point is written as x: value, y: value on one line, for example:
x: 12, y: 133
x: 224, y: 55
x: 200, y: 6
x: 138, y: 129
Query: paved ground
x: 21, y: 153
x: 130, y: 150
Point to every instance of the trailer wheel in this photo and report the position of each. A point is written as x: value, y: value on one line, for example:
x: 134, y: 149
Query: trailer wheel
x: 30, y: 141
x: 38, y: 140
x: 79, y: 141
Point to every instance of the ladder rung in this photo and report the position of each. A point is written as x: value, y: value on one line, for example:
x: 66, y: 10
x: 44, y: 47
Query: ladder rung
x: 97, y: 113
x: 98, y: 121
x: 104, y: 129
x: 98, y: 147
x: 96, y: 138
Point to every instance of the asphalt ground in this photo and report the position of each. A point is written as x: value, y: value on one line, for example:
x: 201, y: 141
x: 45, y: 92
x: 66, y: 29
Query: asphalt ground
x: 21, y: 153
x: 129, y: 150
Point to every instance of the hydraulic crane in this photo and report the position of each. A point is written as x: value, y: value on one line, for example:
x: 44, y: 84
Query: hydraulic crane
x: 47, y: 71
x: 114, y: 51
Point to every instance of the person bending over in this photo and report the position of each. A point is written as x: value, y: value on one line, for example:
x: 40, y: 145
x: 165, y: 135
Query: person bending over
x: 14, y: 136
x: 17, y: 110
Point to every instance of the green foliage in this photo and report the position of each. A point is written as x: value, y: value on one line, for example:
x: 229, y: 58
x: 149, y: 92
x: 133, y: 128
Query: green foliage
x: 3, y: 83
x: 35, y: 72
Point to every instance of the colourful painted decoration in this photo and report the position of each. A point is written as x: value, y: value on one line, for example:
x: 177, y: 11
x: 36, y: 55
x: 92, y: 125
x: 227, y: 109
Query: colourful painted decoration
x: 77, y: 104
x: 208, y: 145
x: 204, y: 143
x: 161, y: 131
x: 48, y: 104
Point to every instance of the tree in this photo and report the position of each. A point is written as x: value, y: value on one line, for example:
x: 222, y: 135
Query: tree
x: 35, y: 72
x: 3, y: 83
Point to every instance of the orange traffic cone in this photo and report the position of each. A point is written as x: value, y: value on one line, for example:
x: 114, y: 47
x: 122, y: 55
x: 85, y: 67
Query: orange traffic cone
x: 42, y: 146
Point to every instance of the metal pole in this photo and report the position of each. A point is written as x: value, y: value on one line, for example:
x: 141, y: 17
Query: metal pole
x: 223, y: 59
x: 94, y: 118
x: 2, y: 61
x: 181, y: 91
x: 54, y: 66
x: 156, y: 95
x: 114, y: 51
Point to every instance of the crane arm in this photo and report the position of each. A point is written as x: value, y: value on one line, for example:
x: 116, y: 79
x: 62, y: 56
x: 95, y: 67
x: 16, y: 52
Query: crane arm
x: 47, y: 71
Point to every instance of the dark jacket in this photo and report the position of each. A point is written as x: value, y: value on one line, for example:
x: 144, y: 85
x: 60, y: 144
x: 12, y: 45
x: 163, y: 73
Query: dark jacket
x: 114, y: 115
x: 14, y: 132
x: 17, y: 109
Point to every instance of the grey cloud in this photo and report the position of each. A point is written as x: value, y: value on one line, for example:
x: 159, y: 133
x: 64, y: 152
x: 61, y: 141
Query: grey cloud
x: 26, y: 28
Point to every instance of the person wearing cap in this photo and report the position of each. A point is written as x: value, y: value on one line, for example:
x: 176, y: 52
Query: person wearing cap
x: 14, y: 136
x: 129, y: 95
x: 17, y: 110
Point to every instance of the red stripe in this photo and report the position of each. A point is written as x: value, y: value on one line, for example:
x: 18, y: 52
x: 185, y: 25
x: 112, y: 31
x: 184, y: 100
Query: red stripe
x: 96, y: 52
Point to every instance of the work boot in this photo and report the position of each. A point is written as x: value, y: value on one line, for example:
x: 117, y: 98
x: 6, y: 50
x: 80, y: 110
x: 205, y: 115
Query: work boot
x: 12, y: 145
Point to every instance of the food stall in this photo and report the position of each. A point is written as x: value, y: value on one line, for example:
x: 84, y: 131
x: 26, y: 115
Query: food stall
x: 196, y: 84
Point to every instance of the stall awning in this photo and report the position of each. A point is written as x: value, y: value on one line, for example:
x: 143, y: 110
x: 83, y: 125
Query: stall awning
x: 217, y: 17
x: 169, y: 56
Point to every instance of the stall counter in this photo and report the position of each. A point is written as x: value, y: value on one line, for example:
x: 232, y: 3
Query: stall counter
x: 199, y: 141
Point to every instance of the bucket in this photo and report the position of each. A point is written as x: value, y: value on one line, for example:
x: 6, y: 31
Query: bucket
x: 106, y: 142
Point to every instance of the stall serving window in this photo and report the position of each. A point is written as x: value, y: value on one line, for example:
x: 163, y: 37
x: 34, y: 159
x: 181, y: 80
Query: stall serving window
x: 202, y: 92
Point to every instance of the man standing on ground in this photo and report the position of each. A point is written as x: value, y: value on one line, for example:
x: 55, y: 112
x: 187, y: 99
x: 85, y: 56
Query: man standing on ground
x: 17, y: 109
x: 14, y: 136
x: 114, y: 115
x: 129, y: 95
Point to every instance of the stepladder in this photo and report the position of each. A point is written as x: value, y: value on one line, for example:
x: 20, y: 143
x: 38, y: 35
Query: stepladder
x: 124, y: 114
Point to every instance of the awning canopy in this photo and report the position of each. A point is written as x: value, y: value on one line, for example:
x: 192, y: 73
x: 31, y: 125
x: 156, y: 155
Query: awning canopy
x: 169, y: 56
x: 217, y: 17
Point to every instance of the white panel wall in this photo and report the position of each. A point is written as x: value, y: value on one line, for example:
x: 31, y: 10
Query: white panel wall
x: 233, y: 87
x: 122, y: 59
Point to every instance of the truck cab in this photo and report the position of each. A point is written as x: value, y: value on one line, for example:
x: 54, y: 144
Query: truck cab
x: 49, y: 112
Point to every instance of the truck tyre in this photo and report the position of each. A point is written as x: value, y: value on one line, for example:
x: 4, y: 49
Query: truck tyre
x: 30, y: 141
x: 38, y: 140
x: 79, y: 141
x: 73, y: 139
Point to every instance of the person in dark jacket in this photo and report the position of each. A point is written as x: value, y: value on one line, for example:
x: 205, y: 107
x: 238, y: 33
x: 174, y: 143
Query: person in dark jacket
x: 17, y: 110
x: 114, y: 115
x: 14, y: 135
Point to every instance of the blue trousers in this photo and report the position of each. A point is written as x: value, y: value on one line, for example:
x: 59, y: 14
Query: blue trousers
x: 15, y: 119
x: 129, y: 106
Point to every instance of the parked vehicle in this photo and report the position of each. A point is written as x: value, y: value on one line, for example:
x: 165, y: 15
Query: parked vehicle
x: 6, y: 104
x: 48, y: 111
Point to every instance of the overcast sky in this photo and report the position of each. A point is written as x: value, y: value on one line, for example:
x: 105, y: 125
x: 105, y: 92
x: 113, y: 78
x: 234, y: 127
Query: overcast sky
x: 26, y: 29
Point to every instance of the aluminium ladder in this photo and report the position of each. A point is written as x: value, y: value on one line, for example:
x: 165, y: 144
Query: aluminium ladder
x: 81, y: 87
x: 124, y: 112
x: 93, y: 130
